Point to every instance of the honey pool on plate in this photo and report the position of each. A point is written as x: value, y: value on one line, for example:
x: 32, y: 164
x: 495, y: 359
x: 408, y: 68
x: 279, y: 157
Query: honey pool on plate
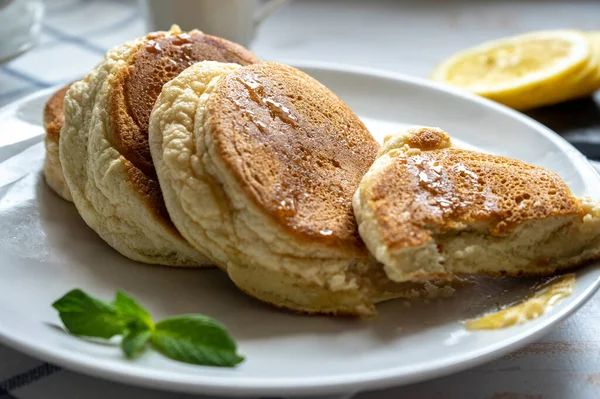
x: 543, y: 299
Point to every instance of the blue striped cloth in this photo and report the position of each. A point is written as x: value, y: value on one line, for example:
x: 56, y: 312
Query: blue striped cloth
x: 75, y: 35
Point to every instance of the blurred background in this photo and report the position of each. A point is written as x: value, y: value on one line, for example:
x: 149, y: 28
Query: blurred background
x: 407, y: 36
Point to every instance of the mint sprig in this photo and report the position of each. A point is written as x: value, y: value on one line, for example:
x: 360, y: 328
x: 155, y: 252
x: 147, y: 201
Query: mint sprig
x: 194, y: 339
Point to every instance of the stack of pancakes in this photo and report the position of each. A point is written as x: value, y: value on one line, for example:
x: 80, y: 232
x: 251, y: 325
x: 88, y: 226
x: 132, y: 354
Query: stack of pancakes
x: 104, y: 150
x: 183, y: 149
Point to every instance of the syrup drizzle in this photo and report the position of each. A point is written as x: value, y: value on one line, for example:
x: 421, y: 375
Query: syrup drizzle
x: 276, y: 109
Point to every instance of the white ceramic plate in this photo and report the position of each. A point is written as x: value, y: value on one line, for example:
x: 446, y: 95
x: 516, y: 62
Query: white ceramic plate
x: 46, y: 250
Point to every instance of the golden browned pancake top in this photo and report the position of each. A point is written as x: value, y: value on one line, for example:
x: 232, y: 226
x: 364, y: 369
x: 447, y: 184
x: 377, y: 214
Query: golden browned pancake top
x: 157, y: 61
x: 296, y: 149
x: 54, y: 113
x: 135, y: 89
x: 445, y: 188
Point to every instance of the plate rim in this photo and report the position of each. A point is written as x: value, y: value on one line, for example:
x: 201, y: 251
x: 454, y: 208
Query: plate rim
x: 351, y: 382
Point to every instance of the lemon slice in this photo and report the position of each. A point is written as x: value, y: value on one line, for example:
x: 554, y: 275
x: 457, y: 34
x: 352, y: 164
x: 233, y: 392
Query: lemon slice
x: 594, y: 38
x: 521, y: 71
x: 587, y: 80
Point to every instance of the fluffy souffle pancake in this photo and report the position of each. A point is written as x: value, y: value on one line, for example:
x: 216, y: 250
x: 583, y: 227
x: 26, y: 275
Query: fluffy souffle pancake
x: 428, y: 209
x: 275, y: 157
x: 104, y: 142
x: 53, y: 122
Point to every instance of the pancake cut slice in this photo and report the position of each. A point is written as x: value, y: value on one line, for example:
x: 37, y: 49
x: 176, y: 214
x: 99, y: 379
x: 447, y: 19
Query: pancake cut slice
x: 427, y: 209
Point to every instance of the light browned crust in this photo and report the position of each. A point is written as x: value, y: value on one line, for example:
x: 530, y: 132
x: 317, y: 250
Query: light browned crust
x: 53, y: 114
x: 428, y: 138
x: 295, y: 148
x: 135, y: 89
x: 435, y: 191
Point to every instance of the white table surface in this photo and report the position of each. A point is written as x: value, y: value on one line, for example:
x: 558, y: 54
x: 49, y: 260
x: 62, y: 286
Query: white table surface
x: 402, y: 36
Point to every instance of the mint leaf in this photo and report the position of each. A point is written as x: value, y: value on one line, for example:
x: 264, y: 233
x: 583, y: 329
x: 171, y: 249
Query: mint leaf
x: 132, y: 313
x: 134, y: 342
x: 192, y: 339
x: 83, y: 315
x: 195, y: 339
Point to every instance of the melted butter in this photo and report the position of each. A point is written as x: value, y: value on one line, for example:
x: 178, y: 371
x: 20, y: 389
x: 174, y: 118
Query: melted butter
x: 441, y: 192
x: 287, y: 207
x: 538, y: 303
x: 153, y: 47
x: 450, y: 187
x: 281, y: 111
x: 258, y: 95
x: 181, y: 39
